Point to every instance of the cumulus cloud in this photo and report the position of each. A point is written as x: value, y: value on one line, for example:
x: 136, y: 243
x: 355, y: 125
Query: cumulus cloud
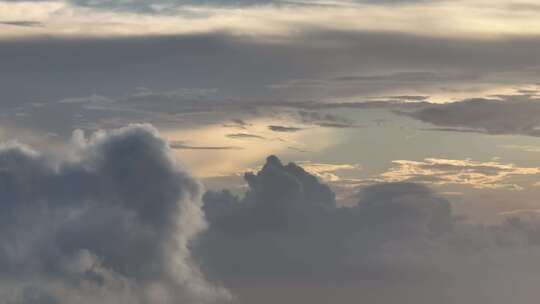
x: 400, y: 242
x: 108, y: 222
x: 288, y: 222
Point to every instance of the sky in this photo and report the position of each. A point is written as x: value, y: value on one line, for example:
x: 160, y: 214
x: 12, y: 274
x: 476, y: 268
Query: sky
x: 265, y: 151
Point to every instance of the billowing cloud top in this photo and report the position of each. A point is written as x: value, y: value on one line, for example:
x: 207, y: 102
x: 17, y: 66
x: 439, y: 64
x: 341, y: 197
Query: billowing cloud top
x: 108, y: 223
x: 401, y: 242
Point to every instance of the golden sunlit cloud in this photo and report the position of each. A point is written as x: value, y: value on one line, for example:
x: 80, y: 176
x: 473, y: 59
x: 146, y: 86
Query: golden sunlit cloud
x: 479, y: 175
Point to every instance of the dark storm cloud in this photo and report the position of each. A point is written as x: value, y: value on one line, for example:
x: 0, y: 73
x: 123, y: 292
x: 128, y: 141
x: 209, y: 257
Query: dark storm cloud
x: 401, y: 241
x: 518, y: 114
x: 108, y: 223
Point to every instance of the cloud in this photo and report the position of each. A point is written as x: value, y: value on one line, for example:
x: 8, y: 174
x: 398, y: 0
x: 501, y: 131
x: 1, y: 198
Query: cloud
x: 182, y: 145
x: 327, y: 120
x: 400, y: 241
x: 237, y: 123
x: 526, y: 148
x: 277, y: 17
x: 23, y: 23
x: 519, y: 114
x: 284, y: 128
x: 109, y: 221
x: 328, y: 172
x: 480, y: 175
x: 153, y: 61
x: 244, y: 136
x: 407, y: 77
x: 410, y: 97
x: 299, y: 228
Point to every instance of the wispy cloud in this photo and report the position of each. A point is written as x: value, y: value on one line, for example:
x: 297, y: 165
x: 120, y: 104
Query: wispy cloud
x: 23, y: 23
x: 183, y: 145
x: 476, y: 174
x: 244, y: 136
x: 284, y: 128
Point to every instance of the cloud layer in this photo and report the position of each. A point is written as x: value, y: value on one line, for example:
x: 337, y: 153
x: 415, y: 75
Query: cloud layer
x: 516, y: 114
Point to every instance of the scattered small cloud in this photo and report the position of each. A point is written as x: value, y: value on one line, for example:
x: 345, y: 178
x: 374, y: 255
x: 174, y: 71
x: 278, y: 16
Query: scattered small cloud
x: 284, y: 128
x: 23, y: 23
x: 237, y: 123
x: 181, y: 145
x: 244, y: 136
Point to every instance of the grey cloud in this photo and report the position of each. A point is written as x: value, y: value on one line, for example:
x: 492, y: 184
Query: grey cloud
x: 172, y: 7
x: 401, y: 242
x: 327, y: 120
x: 410, y: 97
x: 24, y: 23
x: 244, y: 136
x: 302, y: 232
x: 109, y: 222
x: 462, y: 130
x: 337, y: 125
x: 183, y: 145
x: 409, y: 77
x: 237, y: 123
x: 168, y: 7
x: 112, y: 67
x: 518, y: 114
x: 284, y: 128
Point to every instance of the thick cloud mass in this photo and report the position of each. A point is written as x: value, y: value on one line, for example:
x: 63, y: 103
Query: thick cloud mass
x: 288, y: 223
x: 400, y: 243
x: 109, y: 223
